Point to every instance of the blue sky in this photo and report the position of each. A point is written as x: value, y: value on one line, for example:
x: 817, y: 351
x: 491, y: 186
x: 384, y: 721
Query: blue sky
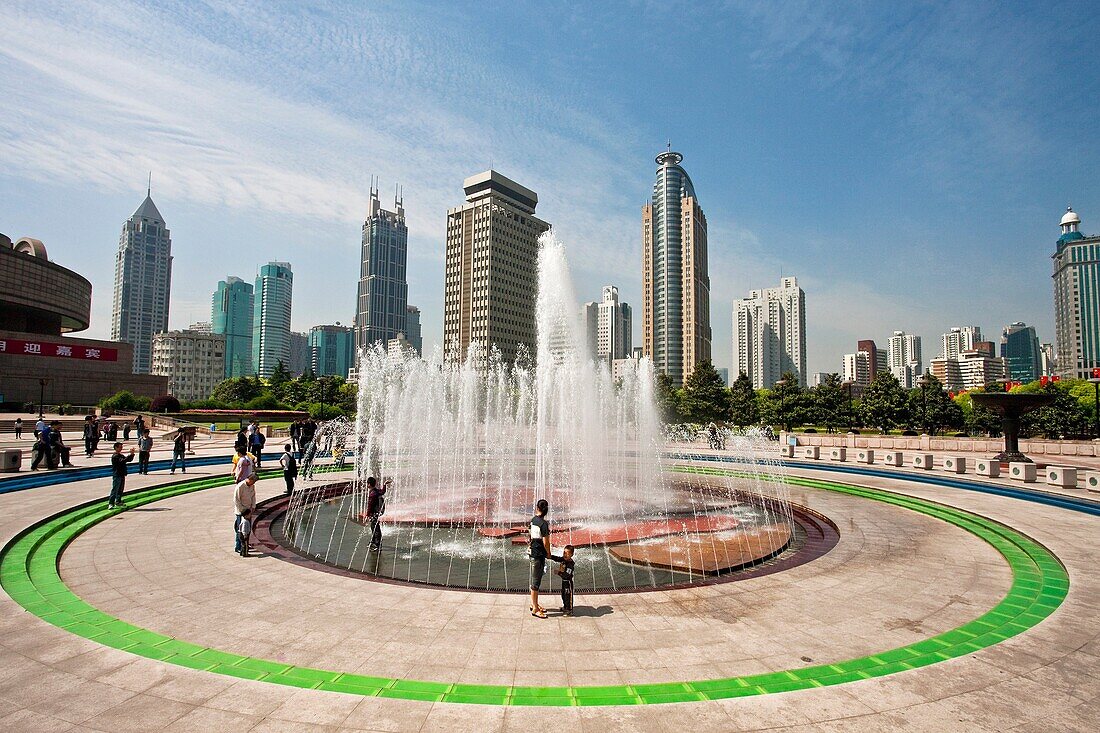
x: 908, y: 162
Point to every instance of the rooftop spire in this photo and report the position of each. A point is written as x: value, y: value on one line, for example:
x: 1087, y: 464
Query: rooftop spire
x: 149, y: 188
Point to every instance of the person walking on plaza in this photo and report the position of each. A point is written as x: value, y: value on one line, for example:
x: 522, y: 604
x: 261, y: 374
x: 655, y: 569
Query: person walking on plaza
x: 242, y: 466
x: 376, y: 507
x: 60, y: 451
x: 43, y: 449
x: 179, y: 449
x: 97, y: 433
x: 139, y: 425
x: 89, y: 435
x: 290, y: 468
x: 145, y: 447
x: 539, y: 551
x: 18, y: 428
x: 244, y: 500
x: 257, y: 442
x: 118, y: 475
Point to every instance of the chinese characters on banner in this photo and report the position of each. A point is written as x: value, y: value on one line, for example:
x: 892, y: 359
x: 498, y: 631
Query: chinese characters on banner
x: 56, y: 350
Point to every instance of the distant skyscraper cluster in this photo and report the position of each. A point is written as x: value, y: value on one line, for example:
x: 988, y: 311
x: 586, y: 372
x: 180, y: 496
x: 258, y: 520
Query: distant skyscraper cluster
x: 770, y: 334
x: 676, y: 330
x: 143, y: 282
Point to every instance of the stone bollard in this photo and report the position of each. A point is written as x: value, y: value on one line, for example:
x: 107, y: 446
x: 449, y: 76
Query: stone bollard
x: 1064, y: 477
x: 811, y: 451
x: 1092, y: 481
x: 923, y: 460
x: 865, y: 455
x: 787, y: 451
x: 838, y: 454
x: 985, y: 467
x: 954, y: 464
x: 893, y: 458
x: 1020, y: 471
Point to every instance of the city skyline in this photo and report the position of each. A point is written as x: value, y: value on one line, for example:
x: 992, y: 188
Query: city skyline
x: 905, y: 186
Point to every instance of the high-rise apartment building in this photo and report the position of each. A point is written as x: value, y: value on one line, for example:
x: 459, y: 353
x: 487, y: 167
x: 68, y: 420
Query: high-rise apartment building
x: 958, y: 340
x: 272, y: 299
x: 904, y: 358
x: 676, y: 330
x: 608, y: 327
x: 1049, y: 365
x: 1020, y: 350
x: 299, y: 354
x: 143, y: 282
x: 862, y: 367
x: 231, y: 313
x: 1076, y: 300
x: 770, y: 333
x: 382, y: 312
x: 331, y: 350
x: 491, y: 271
x: 412, y: 329
x: 193, y: 361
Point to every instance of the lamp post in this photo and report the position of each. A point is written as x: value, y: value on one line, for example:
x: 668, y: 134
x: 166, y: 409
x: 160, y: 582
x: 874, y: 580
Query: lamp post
x: 924, y: 382
x: 1096, y: 406
x: 322, y: 383
x: 42, y: 396
x: 848, y: 385
x: 782, y: 403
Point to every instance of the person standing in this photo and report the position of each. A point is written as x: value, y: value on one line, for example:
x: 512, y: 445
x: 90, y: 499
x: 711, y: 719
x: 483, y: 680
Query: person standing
x: 118, y: 476
x: 179, y: 450
x: 241, y: 441
x: 145, y: 447
x: 139, y: 425
x: 242, y: 467
x: 290, y: 468
x: 18, y: 428
x: 539, y: 551
x: 126, y: 431
x: 244, y: 500
x: 376, y: 507
x: 257, y: 442
x: 295, y: 434
x: 43, y: 449
x: 39, y: 426
x: 89, y: 435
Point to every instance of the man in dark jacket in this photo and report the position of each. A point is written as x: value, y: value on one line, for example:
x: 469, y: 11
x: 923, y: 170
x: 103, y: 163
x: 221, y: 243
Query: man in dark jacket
x: 118, y: 475
x: 90, y: 433
x: 376, y: 507
x: 57, y: 445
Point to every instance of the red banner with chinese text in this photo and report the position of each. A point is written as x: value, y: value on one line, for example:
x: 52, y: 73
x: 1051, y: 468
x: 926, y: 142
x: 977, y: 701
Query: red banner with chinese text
x: 56, y: 350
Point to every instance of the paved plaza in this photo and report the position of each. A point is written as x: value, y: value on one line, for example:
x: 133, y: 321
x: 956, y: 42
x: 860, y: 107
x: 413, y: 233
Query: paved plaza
x: 231, y: 643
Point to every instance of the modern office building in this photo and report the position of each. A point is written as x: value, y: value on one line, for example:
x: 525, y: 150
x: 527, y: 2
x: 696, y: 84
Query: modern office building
x: 299, y: 354
x: 272, y: 299
x: 1076, y: 300
x: 193, y: 361
x: 676, y: 331
x: 491, y: 268
x: 1020, y: 350
x: 42, y: 302
x: 382, y: 312
x: 143, y: 282
x: 412, y: 329
x: 769, y: 334
x: 1049, y: 364
x: 231, y: 314
x: 958, y: 340
x: 608, y: 325
x: 331, y: 350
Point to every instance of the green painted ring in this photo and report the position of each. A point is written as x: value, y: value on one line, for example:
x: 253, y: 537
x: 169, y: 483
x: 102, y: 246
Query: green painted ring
x: 29, y: 574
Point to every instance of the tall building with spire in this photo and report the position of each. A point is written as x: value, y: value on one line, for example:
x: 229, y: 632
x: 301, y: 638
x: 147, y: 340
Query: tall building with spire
x: 1076, y: 299
x: 231, y: 313
x: 272, y: 299
x: 675, y: 281
x: 382, y: 306
x: 143, y: 282
x: 491, y: 272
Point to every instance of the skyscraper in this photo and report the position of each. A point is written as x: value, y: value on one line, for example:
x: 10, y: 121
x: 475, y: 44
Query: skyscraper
x: 412, y: 329
x: 231, y: 315
x: 143, y: 282
x: 299, y: 354
x: 1076, y: 300
x: 331, y: 350
x: 904, y: 358
x: 492, y: 258
x: 958, y: 340
x: 608, y: 327
x: 271, y: 317
x: 770, y: 333
x: 675, y: 283
x: 1020, y: 349
x: 383, y: 289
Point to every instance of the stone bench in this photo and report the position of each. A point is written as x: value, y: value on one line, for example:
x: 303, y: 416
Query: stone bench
x: 1064, y: 477
x: 893, y: 458
x: 865, y: 455
x: 954, y: 464
x: 1019, y: 471
x: 810, y: 451
x: 987, y: 467
x: 840, y: 455
x: 923, y: 460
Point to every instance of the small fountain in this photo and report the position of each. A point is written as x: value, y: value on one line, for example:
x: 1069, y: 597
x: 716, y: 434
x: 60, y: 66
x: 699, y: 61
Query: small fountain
x: 1011, y: 406
x: 469, y: 447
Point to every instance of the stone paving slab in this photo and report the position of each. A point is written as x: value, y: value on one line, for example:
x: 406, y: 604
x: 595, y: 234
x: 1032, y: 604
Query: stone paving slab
x: 44, y: 664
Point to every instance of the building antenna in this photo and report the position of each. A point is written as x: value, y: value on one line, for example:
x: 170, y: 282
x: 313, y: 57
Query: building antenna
x: 149, y: 188
x: 669, y: 147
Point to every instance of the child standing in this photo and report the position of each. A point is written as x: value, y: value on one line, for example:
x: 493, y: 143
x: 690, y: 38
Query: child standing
x: 145, y: 446
x: 244, y: 530
x: 565, y: 570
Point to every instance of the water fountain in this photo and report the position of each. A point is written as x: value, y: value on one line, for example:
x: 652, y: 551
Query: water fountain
x: 470, y: 446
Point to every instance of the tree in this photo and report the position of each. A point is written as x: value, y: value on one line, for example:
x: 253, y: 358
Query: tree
x: 786, y: 403
x: 934, y: 409
x: 279, y: 377
x: 705, y: 398
x: 885, y: 403
x: 1067, y: 416
x: 668, y: 402
x: 830, y: 403
x: 125, y: 401
x: 165, y: 403
x: 743, y: 408
x: 237, y: 391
